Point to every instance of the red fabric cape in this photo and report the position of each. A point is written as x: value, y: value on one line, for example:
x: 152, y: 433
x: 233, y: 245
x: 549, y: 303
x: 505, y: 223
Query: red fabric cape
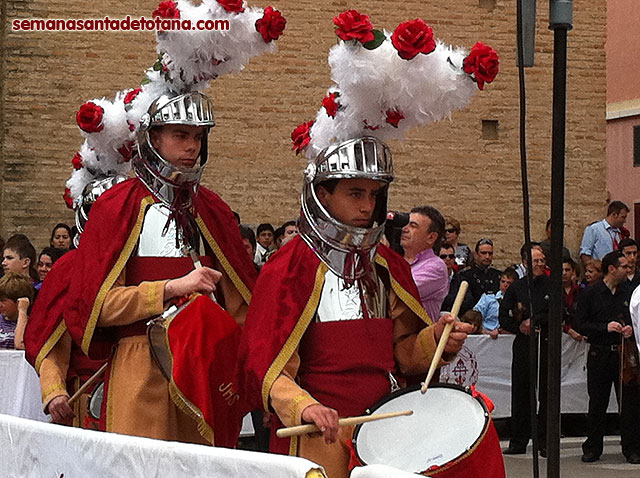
x: 47, y: 313
x: 110, y: 237
x: 286, y: 284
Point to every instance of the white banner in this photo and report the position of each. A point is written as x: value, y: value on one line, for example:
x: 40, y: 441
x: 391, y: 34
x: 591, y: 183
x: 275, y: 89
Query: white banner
x: 32, y: 449
x: 486, y: 363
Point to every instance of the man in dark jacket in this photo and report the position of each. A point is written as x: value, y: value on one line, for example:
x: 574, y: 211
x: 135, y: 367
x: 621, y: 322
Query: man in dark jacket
x: 517, y: 318
x: 603, y: 316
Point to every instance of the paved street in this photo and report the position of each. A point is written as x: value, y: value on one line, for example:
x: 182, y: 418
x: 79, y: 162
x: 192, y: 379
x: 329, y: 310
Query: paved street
x: 611, y: 464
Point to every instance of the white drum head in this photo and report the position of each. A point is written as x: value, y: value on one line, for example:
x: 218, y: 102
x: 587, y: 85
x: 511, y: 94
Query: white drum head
x: 446, y: 423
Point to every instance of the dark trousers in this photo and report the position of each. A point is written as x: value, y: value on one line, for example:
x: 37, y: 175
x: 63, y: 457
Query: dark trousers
x: 521, y: 380
x: 603, y: 372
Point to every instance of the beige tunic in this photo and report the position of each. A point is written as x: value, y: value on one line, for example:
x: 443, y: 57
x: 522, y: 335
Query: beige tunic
x: 138, y: 400
x: 53, y: 380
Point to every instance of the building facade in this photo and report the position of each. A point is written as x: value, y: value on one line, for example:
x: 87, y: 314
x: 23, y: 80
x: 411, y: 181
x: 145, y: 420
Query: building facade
x: 623, y: 108
x: 468, y: 166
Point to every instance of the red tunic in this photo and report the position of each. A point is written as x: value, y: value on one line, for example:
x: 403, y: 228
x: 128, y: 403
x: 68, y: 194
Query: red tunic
x: 345, y: 369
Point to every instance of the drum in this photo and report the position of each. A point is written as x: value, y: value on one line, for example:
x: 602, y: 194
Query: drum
x: 94, y: 404
x: 157, y: 335
x: 449, y: 434
x: 195, y: 345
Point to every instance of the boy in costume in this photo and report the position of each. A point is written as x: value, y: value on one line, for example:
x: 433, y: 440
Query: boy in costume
x: 335, y: 320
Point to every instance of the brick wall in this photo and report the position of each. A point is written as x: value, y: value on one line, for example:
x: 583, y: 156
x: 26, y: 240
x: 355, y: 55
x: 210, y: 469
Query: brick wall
x: 48, y: 75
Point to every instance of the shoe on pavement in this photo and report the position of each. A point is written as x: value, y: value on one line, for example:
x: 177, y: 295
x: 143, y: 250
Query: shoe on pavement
x: 634, y: 459
x: 590, y: 457
x: 514, y: 450
x: 543, y: 452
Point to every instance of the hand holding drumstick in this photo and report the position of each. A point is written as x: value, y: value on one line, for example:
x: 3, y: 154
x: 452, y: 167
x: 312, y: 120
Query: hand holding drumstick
x: 342, y: 422
x: 450, y: 334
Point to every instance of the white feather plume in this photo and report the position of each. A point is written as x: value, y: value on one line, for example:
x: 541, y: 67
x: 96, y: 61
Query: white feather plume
x: 371, y: 83
x: 189, y: 60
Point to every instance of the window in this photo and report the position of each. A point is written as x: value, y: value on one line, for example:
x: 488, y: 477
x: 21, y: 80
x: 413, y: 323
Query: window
x: 489, y: 129
x: 636, y: 146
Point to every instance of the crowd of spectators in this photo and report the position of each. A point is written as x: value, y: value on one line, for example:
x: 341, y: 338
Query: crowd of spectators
x: 499, y: 300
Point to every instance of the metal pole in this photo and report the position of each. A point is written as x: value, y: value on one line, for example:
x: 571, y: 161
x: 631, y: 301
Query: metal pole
x: 533, y: 356
x: 560, y: 21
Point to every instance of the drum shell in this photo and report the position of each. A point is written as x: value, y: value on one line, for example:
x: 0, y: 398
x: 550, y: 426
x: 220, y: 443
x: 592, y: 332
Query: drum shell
x: 469, y: 457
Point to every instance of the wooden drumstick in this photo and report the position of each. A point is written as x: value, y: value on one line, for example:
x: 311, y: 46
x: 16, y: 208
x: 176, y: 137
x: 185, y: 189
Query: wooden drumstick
x: 90, y: 381
x: 445, y: 335
x: 198, y: 265
x: 343, y: 422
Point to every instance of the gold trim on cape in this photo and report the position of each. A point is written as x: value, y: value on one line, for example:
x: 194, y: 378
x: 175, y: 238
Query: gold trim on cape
x: 294, y: 338
x: 226, y: 265
x: 114, y: 274
x: 49, y: 344
x: 410, y: 301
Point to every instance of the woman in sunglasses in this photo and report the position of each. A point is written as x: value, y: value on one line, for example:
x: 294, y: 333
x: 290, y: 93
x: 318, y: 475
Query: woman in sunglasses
x: 464, y: 258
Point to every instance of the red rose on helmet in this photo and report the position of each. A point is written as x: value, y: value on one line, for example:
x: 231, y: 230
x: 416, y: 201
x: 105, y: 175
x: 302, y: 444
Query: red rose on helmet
x: 126, y: 151
x: 413, y: 37
x: 129, y: 97
x: 271, y: 25
x: 232, y: 5
x: 482, y: 63
x: 330, y: 104
x: 67, y: 198
x: 89, y: 117
x: 394, y: 117
x: 301, y: 136
x: 77, y: 161
x: 354, y: 26
x: 168, y: 9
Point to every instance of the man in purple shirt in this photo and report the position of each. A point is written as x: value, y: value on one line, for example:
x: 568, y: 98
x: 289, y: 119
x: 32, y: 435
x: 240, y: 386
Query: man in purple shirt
x: 424, y: 232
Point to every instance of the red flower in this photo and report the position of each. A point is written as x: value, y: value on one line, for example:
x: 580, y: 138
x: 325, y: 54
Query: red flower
x: 271, y: 25
x: 301, y: 137
x: 394, y: 117
x: 129, y: 97
x: 370, y: 127
x: 232, y: 5
x: 77, y: 161
x: 330, y: 104
x: 353, y: 26
x: 126, y: 151
x: 482, y: 63
x: 89, y: 117
x: 67, y: 198
x: 168, y: 9
x: 413, y: 37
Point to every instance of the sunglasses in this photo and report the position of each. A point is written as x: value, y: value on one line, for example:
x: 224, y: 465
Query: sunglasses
x: 447, y: 256
x: 484, y: 242
x: 451, y: 230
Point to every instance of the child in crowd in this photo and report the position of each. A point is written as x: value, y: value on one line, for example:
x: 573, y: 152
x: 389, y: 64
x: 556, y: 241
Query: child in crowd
x: 489, y: 304
x: 16, y: 293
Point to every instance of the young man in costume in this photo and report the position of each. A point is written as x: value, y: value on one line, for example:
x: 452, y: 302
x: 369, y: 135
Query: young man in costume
x: 141, y: 244
x: 336, y: 318
x: 59, y: 362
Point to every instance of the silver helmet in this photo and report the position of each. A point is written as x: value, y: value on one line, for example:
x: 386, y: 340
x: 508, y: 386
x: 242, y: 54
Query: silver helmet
x: 159, y: 175
x: 92, y: 191
x: 330, y: 239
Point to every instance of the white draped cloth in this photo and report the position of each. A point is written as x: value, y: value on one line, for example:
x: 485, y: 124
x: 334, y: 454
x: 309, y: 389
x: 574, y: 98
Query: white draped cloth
x: 19, y: 387
x: 32, y: 449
